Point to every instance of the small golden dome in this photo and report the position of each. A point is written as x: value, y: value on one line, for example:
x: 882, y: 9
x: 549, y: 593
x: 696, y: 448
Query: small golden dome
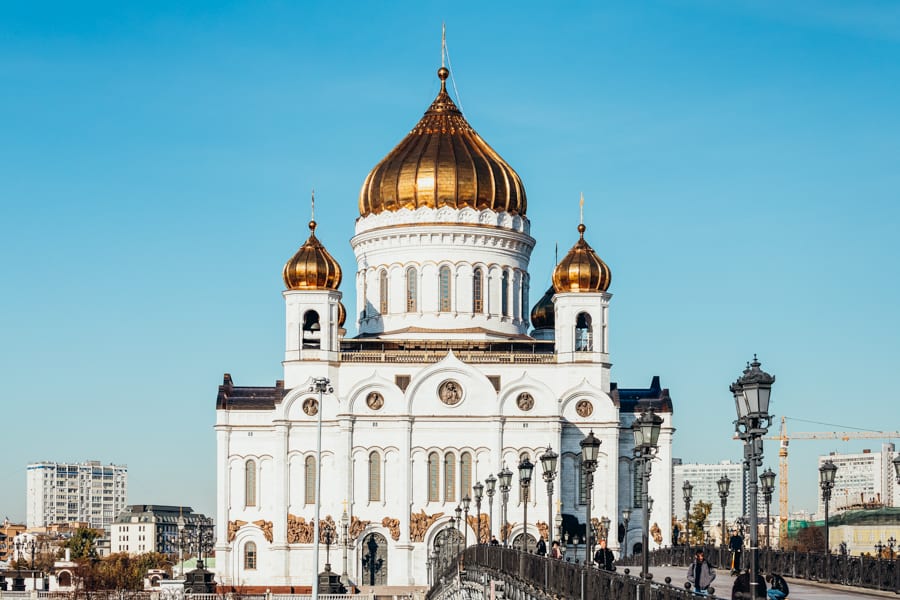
x: 312, y: 267
x: 543, y: 315
x: 342, y: 314
x: 581, y: 270
x: 442, y: 162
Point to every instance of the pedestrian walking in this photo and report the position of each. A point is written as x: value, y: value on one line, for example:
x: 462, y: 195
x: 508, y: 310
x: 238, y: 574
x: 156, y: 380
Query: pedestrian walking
x: 701, y: 574
x: 541, y: 549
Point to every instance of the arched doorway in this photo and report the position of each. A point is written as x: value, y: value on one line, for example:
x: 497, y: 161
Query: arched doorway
x: 374, y: 559
x: 447, y: 544
x: 529, y: 542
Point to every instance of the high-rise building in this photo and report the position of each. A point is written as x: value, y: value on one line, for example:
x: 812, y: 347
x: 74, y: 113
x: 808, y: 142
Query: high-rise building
x: 862, y: 480
x: 64, y: 492
x: 705, y: 479
x: 450, y: 379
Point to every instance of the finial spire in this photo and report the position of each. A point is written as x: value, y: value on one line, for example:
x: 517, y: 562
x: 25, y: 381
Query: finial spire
x: 443, y: 44
x: 581, y: 210
x: 312, y: 212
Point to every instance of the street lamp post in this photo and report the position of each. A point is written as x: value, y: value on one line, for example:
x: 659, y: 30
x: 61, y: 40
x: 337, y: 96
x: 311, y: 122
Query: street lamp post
x: 826, y: 482
x: 505, y: 480
x: 345, y: 544
x: 526, y: 468
x: 724, y: 484
x: 490, y: 485
x: 478, y: 488
x: 466, y: 503
x: 321, y: 386
x: 752, y: 392
x: 548, y: 463
x: 646, y: 430
x: 590, y: 448
x: 767, y: 482
x: 626, y: 516
x: 892, y: 541
x: 688, y: 491
x: 604, y: 527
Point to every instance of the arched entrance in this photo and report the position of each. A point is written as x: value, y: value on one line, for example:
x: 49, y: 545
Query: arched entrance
x: 447, y: 544
x: 529, y: 542
x: 374, y: 559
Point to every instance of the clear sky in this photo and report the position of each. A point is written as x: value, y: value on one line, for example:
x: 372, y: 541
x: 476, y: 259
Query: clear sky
x: 739, y: 162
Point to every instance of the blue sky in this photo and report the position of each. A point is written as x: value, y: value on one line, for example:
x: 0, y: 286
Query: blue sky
x: 738, y: 161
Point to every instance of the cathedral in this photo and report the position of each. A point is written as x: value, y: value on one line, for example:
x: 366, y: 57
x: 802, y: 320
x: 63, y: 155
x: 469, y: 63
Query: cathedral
x: 452, y: 378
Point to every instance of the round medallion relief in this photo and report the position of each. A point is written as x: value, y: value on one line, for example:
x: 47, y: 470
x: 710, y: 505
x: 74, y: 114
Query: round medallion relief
x: 374, y: 400
x: 311, y: 406
x: 450, y: 392
x: 584, y: 408
x: 525, y: 401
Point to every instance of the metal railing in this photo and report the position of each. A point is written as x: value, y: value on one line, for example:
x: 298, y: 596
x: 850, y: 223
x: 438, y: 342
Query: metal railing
x: 525, y: 576
x: 840, y: 569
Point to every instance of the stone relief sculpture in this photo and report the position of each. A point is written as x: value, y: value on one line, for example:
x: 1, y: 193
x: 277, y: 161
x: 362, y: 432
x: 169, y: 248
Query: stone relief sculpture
x: 485, y: 527
x: 299, y: 531
x: 543, y: 530
x: 525, y: 401
x: 266, y: 527
x: 327, y: 524
x: 374, y: 400
x: 233, y: 527
x: 311, y: 406
x: 656, y: 533
x: 419, y: 524
x: 584, y: 408
x: 393, y: 526
x: 450, y: 392
x: 356, y: 527
x: 504, y: 531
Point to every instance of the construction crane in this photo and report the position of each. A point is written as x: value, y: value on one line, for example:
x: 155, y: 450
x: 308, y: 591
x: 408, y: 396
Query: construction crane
x: 785, y: 439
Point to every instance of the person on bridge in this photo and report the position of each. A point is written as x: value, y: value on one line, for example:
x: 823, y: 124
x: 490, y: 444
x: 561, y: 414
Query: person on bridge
x: 779, y: 589
x: 736, y: 544
x: 494, y: 541
x: 701, y: 574
x: 554, y: 550
x: 541, y: 549
x: 741, y: 588
x: 604, y: 557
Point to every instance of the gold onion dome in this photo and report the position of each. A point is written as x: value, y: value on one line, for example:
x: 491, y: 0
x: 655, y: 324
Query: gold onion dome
x: 581, y: 270
x: 543, y: 315
x: 312, y: 267
x: 342, y: 314
x: 442, y: 162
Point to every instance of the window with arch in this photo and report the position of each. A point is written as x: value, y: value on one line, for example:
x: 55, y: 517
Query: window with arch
x: 250, y: 556
x: 312, y: 330
x: 383, y: 292
x: 444, y: 288
x: 64, y: 579
x: 433, y: 478
x: 374, y: 477
x: 411, y: 290
x: 504, y: 294
x: 584, y: 340
x: 309, y: 480
x: 449, y: 477
x: 465, y: 475
x: 478, y: 291
x: 250, y: 483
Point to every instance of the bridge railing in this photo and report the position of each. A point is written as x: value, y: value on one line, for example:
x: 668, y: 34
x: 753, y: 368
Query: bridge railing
x: 855, y: 571
x: 525, y: 575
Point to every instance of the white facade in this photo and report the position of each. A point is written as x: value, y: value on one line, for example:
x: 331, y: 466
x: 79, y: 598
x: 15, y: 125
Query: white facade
x: 142, y: 528
x: 66, y: 492
x: 862, y: 479
x: 443, y: 387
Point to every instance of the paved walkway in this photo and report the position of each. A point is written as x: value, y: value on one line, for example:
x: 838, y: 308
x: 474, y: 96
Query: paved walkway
x: 800, y: 589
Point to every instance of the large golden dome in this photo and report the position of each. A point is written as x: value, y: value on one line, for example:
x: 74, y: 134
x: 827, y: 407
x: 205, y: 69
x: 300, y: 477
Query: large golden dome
x: 442, y: 162
x: 581, y: 270
x: 312, y: 267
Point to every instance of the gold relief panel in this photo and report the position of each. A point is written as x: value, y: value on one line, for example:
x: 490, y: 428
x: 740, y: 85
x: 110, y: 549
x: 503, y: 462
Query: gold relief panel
x: 584, y: 408
x: 525, y: 401
x: 311, y: 406
x: 450, y: 392
x: 374, y: 401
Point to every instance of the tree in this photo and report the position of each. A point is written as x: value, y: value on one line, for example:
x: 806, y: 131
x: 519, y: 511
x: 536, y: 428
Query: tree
x: 811, y: 539
x: 81, y: 544
x: 698, y: 519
